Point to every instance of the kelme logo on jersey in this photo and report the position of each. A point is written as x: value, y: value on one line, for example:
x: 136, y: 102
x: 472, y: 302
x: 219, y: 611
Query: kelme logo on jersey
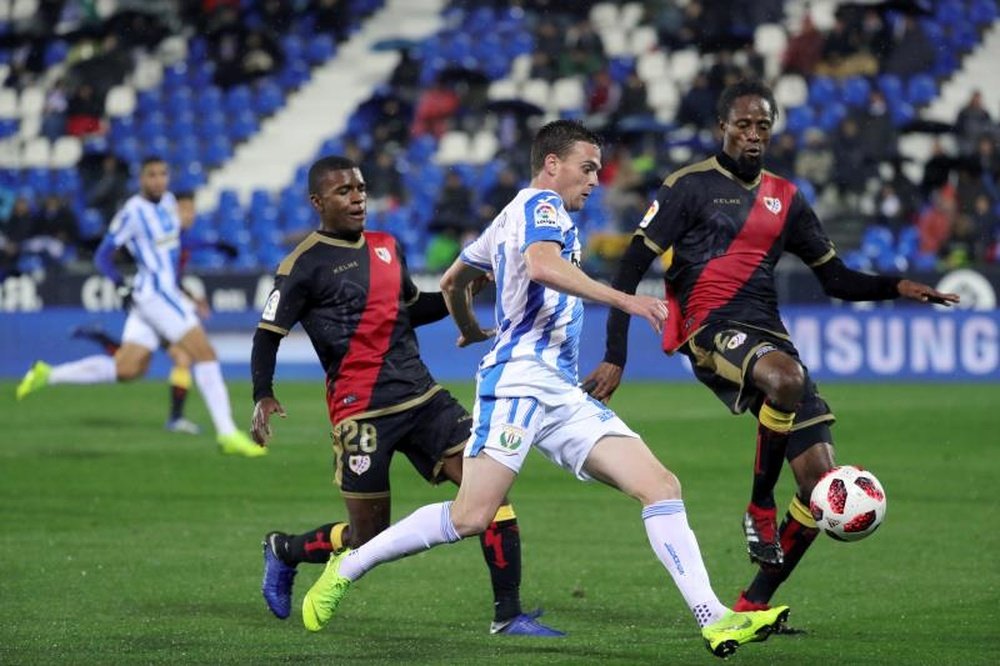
x: 359, y: 464
x: 651, y: 212
x: 383, y: 254
x: 271, y: 307
x: 772, y: 204
x: 545, y: 215
x: 511, y: 437
x: 736, y: 340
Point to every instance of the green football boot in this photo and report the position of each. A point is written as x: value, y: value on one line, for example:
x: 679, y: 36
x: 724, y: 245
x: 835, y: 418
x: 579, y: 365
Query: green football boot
x: 325, y: 595
x: 722, y: 637
x: 34, y: 379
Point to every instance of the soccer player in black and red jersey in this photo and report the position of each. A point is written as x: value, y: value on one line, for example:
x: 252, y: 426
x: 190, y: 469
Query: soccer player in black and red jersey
x: 351, y: 292
x: 726, y: 222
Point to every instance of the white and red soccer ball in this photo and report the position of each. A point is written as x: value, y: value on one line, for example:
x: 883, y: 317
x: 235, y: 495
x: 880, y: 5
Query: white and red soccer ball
x: 848, y: 503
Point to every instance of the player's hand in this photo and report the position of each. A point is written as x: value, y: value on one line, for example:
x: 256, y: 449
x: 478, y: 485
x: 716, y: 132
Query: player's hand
x: 925, y: 294
x: 472, y: 337
x: 480, y: 283
x: 125, y: 296
x: 653, y: 310
x: 202, y: 307
x: 260, y: 426
x: 603, y: 381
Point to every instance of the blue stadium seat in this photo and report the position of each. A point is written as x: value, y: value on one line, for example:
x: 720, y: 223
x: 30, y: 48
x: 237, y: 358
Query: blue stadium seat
x: 201, y: 74
x: 90, y: 224
x: 9, y: 127
x: 292, y: 47
x: 229, y: 200
x: 855, y: 90
x: 923, y: 262
x: 908, y: 242
x: 37, y: 180
x: 902, y: 113
x: 949, y: 12
x: 294, y: 74
x: 799, y: 119
x: 148, y: 101
x: 857, y: 260
x: 185, y: 149
x: 243, y: 126
x: 963, y: 36
x: 822, y: 91
x: 209, y: 100
x: 891, y: 86
x: 269, y: 98
x: 921, y: 90
x: 877, y: 240
x: 982, y: 11
x: 831, y: 116
x: 127, y: 150
x: 212, y: 125
x: 121, y: 128
x: 260, y: 199
x: 321, y: 49
x: 183, y: 124
x: 152, y: 126
x: 174, y: 77
x: 55, y: 52
x: 238, y: 98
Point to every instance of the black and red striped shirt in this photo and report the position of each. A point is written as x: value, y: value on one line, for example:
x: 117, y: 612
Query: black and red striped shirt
x: 726, y: 237
x: 351, y: 298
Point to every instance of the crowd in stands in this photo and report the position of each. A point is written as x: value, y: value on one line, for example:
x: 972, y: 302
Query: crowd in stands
x: 866, y: 74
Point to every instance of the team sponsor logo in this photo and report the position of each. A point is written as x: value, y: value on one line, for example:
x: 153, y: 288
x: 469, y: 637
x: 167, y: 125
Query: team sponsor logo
x: 736, y: 341
x: 349, y: 265
x: 359, y: 464
x: 764, y: 349
x: 546, y: 215
x: 271, y: 307
x: 511, y: 438
x: 772, y: 204
x: 383, y: 254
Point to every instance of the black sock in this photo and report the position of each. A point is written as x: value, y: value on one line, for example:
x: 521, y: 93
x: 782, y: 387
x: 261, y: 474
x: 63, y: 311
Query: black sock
x: 178, y: 396
x: 314, y: 546
x: 797, y: 533
x: 501, y: 543
x: 772, y: 440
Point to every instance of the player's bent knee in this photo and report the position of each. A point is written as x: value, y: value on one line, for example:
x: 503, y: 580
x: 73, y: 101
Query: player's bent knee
x: 470, y: 523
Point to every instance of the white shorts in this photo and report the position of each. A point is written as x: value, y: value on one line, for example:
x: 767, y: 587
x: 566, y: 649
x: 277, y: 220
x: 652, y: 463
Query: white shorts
x: 506, y: 428
x: 158, y: 317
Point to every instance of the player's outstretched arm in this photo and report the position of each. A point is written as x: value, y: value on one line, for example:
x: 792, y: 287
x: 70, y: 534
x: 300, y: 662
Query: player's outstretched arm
x: 546, y: 266
x: 925, y: 294
x: 457, y: 285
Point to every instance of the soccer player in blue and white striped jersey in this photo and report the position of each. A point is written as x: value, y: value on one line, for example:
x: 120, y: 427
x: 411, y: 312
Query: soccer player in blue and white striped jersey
x: 528, y: 396
x: 148, y: 226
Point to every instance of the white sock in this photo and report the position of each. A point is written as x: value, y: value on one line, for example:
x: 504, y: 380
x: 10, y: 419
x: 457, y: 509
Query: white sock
x: 677, y: 548
x: 99, y: 369
x: 208, y: 377
x: 423, y: 529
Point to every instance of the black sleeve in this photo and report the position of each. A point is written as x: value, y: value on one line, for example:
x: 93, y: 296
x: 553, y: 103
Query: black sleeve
x: 262, y: 361
x: 841, y: 282
x: 427, y: 309
x: 633, y: 266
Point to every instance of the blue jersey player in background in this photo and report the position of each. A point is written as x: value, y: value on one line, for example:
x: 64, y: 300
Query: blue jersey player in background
x: 149, y: 227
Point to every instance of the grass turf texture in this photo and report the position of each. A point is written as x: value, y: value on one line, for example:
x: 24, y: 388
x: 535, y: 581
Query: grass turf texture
x: 123, y: 543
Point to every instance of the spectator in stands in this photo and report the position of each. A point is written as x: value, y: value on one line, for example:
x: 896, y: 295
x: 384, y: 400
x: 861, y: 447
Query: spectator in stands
x: 83, y: 112
x: 109, y: 189
x: 544, y: 66
x: 879, y: 137
x: 804, y: 50
x: 889, y: 208
x: 260, y: 56
x: 697, y: 106
x: 912, y: 53
x: 668, y: 19
x: 839, y: 45
x: 973, y: 122
x: 851, y: 168
x: 937, y: 169
x: 815, y: 160
x: 876, y: 37
x: 936, y: 221
x: 54, y: 111
x: 603, y: 94
x: 986, y: 218
x: 392, y: 126
x: 633, y: 100
x: 454, y: 221
x: 384, y: 184
x: 577, y: 61
x: 978, y: 174
x: 781, y: 155
x: 723, y: 72
x: 436, y: 107
x: 332, y: 17
x: 499, y: 195
x: 51, y: 232
x: 405, y: 78
x: 14, y: 230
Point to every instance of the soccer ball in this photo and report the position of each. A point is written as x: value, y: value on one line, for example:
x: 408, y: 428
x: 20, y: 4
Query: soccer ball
x: 848, y: 503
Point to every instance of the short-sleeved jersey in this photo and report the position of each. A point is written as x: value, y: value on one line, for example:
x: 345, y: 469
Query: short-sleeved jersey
x: 351, y: 298
x: 151, y: 233
x: 726, y: 237
x: 534, y: 323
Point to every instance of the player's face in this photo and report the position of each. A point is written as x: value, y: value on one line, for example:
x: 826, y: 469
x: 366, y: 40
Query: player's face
x: 746, y: 133
x: 154, y: 180
x: 340, y: 201
x: 185, y: 211
x: 576, y: 174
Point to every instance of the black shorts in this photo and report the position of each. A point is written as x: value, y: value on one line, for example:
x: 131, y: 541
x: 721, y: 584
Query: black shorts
x: 427, y: 434
x: 723, y: 356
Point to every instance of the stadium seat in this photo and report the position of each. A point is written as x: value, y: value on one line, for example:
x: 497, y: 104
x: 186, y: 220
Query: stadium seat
x: 630, y: 14
x: 877, y: 240
x: 891, y: 86
x: 854, y: 91
x: 120, y: 101
x: 90, y: 224
x: 31, y: 101
x: 822, y: 91
x: 181, y: 100
x: 604, y: 15
x: 453, y: 148
x: 921, y: 90
x: 237, y: 99
x: 643, y: 39
x: 321, y: 49
x: 66, y: 152
x: 982, y: 12
x: 684, y: 66
x: 791, y: 90
x: 567, y: 93
x: 799, y: 119
x: 269, y: 98
x: 36, y: 152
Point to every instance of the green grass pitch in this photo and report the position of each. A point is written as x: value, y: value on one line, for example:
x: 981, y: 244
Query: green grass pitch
x: 122, y: 543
